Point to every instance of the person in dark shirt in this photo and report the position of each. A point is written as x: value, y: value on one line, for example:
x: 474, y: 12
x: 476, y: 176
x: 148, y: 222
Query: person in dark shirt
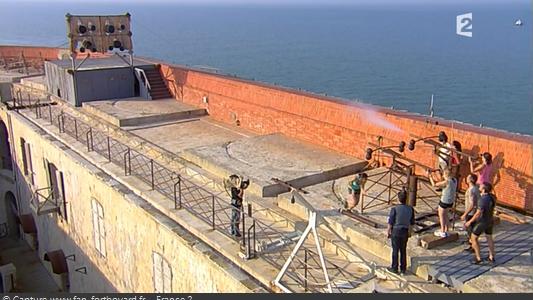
x: 483, y: 222
x: 401, y: 217
x: 237, y: 193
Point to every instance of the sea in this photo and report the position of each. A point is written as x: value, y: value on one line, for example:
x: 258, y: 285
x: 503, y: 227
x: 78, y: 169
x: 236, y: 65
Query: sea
x: 395, y: 54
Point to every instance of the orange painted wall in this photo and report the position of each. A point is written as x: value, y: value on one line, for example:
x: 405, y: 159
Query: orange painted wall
x: 38, y: 54
x: 348, y: 127
x: 29, y: 52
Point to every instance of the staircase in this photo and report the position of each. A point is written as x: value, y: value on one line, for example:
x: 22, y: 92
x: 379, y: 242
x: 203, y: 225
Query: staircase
x: 158, y: 88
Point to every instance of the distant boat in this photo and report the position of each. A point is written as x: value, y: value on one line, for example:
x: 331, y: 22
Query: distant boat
x: 518, y: 23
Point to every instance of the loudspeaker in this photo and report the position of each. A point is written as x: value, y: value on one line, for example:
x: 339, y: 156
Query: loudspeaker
x: 99, y: 33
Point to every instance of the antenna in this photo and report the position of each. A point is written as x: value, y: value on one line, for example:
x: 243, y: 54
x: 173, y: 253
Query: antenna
x: 431, y: 112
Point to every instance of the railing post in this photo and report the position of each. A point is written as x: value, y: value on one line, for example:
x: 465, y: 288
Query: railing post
x: 152, y: 173
x: 177, y: 193
x: 92, y: 142
x: 243, y: 221
x: 213, y: 211
x: 59, y: 119
x: 50, y: 114
x: 108, y: 149
x: 89, y: 136
x: 305, y: 270
x: 76, y: 128
x: 127, y: 162
x: 249, y: 206
x: 250, y: 247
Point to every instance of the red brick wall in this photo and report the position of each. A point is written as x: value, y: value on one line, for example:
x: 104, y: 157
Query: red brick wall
x: 38, y: 54
x: 348, y: 127
x: 29, y: 52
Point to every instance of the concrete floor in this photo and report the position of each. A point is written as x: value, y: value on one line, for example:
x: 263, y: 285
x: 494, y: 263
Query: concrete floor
x: 31, y: 274
x: 140, y: 111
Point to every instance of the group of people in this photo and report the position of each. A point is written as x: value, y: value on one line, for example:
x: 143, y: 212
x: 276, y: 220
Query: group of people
x: 479, y: 197
x: 479, y: 205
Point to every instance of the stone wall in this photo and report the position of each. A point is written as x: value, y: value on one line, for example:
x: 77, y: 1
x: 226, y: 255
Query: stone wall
x: 134, y: 229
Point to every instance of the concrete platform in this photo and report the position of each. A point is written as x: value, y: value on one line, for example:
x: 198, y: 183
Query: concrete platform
x: 35, y: 82
x: 187, y: 134
x: 139, y: 111
x: 262, y: 158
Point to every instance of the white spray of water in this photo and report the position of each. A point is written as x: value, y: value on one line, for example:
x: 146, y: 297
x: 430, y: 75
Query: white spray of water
x: 377, y: 119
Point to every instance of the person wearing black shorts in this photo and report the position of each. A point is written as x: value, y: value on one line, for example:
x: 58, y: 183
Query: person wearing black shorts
x: 447, y: 199
x: 482, y: 223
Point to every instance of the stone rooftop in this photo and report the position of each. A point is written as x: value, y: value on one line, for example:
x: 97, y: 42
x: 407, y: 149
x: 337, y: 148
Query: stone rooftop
x: 207, y: 151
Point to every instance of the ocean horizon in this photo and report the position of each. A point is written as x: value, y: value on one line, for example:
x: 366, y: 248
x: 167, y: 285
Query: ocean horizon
x: 389, y: 55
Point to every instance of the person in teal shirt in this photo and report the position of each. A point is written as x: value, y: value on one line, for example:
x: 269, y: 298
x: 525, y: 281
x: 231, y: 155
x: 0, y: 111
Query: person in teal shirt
x: 355, y: 191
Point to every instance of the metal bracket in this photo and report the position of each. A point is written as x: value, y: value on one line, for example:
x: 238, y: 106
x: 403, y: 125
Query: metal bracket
x: 71, y: 257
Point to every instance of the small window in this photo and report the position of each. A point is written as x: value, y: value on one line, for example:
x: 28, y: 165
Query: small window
x: 27, y: 161
x: 59, y: 93
x: 162, y: 274
x: 98, y: 228
x: 55, y: 178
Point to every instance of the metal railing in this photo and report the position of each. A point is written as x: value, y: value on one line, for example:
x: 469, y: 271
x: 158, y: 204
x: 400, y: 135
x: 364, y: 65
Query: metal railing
x: 207, y: 206
x: 140, y: 72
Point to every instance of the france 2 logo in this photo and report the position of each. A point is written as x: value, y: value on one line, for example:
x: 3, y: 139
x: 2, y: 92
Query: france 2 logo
x: 464, y: 25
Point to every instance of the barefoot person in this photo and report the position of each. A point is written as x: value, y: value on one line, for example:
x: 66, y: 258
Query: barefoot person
x: 401, y: 218
x: 472, y: 197
x: 355, y: 191
x: 482, y: 222
x: 447, y: 199
x: 483, y: 170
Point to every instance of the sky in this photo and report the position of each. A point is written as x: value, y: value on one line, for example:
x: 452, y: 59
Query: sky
x: 289, y: 2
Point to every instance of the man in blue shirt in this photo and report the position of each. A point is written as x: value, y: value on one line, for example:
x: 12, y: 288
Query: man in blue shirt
x: 483, y: 222
x: 401, y: 217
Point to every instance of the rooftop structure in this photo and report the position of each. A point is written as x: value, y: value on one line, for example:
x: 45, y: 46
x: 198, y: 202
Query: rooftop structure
x: 153, y: 173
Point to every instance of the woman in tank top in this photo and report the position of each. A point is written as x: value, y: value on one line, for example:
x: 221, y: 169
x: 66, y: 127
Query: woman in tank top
x: 483, y: 170
x: 447, y: 200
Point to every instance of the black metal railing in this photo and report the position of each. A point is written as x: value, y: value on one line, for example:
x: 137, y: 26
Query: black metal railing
x: 207, y: 206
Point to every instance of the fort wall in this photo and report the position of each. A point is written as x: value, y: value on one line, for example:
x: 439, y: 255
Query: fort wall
x: 133, y: 230
x: 344, y: 126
